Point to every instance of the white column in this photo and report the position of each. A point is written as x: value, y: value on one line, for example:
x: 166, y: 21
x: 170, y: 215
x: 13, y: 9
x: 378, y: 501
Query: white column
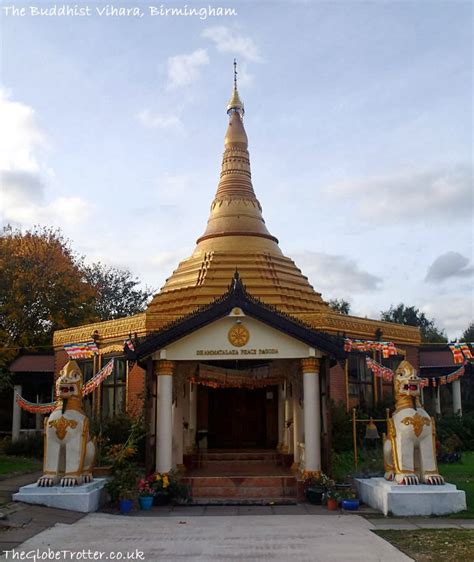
x: 297, y: 426
x: 192, y: 414
x: 164, y: 422
x: 457, y: 404
x: 437, y: 401
x: 281, y: 416
x: 288, y: 418
x: 16, y: 418
x: 312, y: 414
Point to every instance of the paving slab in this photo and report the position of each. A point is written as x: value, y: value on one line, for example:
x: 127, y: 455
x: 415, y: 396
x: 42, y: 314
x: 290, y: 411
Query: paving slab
x: 223, y: 538
x: 288, y: 509
x: 255, y: 510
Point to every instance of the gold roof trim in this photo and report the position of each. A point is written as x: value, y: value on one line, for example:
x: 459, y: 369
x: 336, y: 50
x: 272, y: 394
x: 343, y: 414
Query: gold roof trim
x: 108, y: 330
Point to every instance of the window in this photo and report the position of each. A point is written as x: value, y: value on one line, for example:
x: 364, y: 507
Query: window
x: 361, y: 387
x: 87, y: 369
x: 114, y: 389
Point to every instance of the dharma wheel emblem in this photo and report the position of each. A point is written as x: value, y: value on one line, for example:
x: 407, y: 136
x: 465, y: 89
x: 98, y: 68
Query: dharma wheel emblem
x: 238, y: 335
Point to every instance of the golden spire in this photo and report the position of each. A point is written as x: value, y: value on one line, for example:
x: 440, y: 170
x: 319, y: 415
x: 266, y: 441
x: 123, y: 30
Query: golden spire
x: 235, y: 210
x: 235, y: 103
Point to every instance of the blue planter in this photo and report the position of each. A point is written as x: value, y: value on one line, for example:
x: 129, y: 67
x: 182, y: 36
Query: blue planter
x: 350, y: 505
x: 125, y: 506
x: 145, y: 502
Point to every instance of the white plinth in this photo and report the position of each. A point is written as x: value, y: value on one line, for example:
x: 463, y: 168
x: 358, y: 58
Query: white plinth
x: 84, y: 498
x: 410, y: 500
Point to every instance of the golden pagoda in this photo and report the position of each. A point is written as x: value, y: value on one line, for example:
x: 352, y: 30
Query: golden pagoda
x: 236, y: 238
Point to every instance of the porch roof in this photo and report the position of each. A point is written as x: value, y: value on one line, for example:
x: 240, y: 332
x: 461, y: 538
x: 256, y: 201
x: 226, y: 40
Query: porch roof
x: 238, y: 297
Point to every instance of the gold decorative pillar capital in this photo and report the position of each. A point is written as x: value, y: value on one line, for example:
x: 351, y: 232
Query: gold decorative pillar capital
x: 310, y: 365
x: 164, y: 367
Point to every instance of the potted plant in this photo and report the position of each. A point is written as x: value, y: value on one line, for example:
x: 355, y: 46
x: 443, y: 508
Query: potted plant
x: 160, y: 483
x: 333, y: 498
x: 316, y: 484
x: 349, y: 500
x: 145, y: 494
x: 126, y: 497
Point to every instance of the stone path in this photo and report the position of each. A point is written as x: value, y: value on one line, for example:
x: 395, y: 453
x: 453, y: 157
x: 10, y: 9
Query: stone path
x: 9, y: 486
x: 315, y: 538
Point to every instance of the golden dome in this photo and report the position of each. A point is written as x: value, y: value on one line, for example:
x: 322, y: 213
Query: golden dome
x: 236, y: 237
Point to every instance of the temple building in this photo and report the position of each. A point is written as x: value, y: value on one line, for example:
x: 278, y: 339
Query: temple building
x: 237, y: 351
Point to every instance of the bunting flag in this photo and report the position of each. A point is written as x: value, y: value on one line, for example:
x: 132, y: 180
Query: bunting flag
x: 446, y: 379
x: 379, y: 370
x: 458, y: 356
x: 128, y: 342
x: 34, y: 407
x: 97, y: 379
x: 81, y: 350
x: 216, y: 377
x: 466, y: 351
x: 387, y: 348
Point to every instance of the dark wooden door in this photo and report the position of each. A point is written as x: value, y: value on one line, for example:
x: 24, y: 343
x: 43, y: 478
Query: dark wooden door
x: 237, y: 418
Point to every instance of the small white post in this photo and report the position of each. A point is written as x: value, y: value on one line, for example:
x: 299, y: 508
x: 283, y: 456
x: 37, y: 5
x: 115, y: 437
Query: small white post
x: 457, y: 404
x: 16, y: 419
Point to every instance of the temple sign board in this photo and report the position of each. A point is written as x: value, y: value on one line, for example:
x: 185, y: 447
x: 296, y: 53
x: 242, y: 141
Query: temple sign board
x: 236, y: 337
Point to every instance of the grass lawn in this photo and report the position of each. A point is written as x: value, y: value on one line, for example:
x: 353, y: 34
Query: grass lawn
x: 17, y: 465
x: 440, y: 545
x: 462, y: 474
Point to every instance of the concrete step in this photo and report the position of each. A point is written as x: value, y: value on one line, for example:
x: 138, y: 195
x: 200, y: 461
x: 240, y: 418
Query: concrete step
x: 242, y: 492
x: 244, y: 501
x: 267, y: 456
x: 239, y: 481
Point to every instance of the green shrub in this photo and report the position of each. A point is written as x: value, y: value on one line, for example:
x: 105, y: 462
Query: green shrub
x: 28, y: 446
x: 117, y: 431
x: 456, y: 429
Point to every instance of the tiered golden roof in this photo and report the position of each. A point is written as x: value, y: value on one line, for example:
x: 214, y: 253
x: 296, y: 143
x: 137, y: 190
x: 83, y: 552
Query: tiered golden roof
x: 237, y: 238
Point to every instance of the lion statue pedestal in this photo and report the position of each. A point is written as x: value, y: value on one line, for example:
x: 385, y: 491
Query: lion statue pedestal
x: 412, y: 484
x: 69, y: 452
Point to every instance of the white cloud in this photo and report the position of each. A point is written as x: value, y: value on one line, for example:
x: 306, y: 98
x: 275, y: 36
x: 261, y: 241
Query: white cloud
x: 184, y: 69
x: 231, y: 41
x: 452, y: 313
x: 450, y: 264
x: 411, y: 196
x: 336, y: 275
x: 153, y: 120
x: 23, y: 174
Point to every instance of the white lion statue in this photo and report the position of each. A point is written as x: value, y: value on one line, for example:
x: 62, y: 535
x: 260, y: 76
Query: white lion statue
x: 410, y: 446
x: 69, y: 453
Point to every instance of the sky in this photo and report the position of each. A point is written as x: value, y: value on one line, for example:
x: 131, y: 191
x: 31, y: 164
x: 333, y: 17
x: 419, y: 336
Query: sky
x: 360, y: 124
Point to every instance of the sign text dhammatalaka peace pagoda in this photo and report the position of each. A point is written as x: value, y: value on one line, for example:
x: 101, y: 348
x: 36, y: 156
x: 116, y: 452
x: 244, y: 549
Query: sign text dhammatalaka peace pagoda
x: 266, y: 351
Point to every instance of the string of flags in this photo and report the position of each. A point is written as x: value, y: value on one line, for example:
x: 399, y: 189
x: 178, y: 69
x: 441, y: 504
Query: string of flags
x: 461, y: 352
x: 387, y: 374
x: 99, y: 378
x: 81, y: 350
x: 47, y: 407
x: 379, y: 370
x: 387, y: 348
x: 34, y: 407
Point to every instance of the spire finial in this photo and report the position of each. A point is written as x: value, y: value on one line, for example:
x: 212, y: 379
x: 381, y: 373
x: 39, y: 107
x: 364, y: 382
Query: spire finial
x: 235, y: 74
x: 235, y: 103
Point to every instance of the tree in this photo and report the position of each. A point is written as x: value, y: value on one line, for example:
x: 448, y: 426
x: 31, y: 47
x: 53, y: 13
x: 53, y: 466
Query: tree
x: 42, y: 289
x: 340, y: 305
x: 116, y: 290
x: 411, y: 316
x: 468, y: 334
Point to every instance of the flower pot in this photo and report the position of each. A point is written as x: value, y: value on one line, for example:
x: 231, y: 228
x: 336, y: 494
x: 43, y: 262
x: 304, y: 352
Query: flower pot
x: 350, y: 505
x: 145, y: 502
x: 161, y: 498
x: 125, y: 506
x: 314, y: 494
x: 332, y: 504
